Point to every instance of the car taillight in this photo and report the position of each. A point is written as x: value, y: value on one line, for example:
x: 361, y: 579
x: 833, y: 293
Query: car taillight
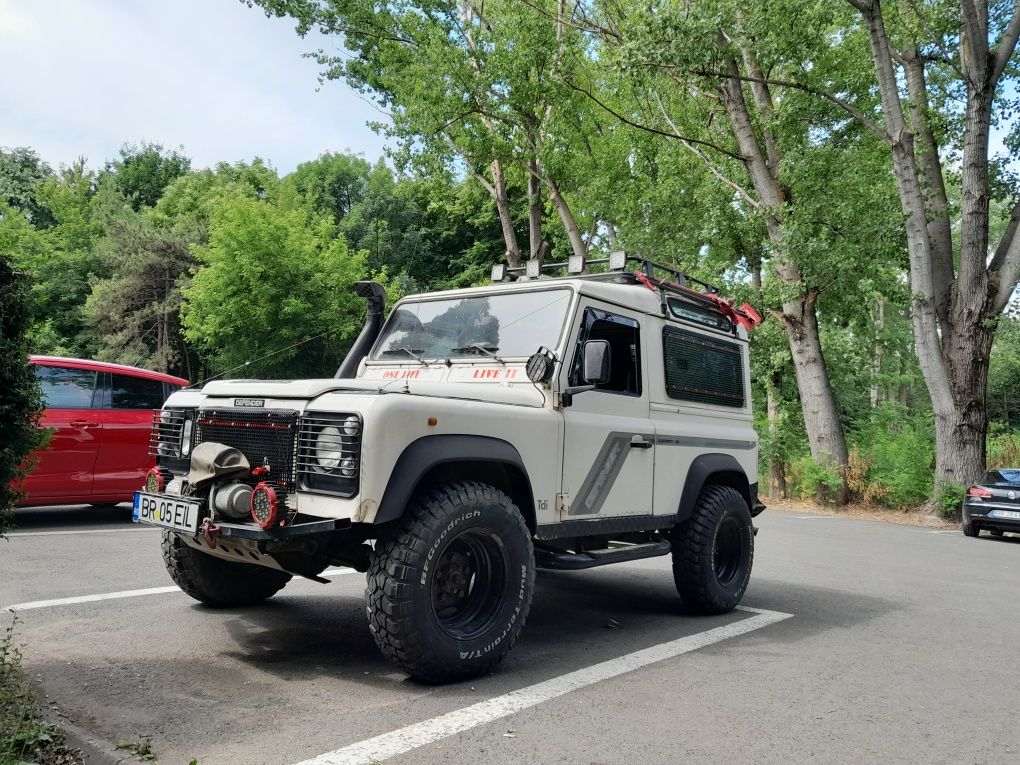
x: 153, y: 481
x: 979, y: 491
x: 264, y: 506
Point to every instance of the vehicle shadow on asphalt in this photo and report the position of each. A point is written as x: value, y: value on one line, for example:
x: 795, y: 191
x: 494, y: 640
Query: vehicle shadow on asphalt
x: 577, y: 619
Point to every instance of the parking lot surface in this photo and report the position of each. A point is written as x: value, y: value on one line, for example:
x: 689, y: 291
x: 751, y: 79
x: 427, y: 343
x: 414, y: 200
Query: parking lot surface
x: 864, y: 642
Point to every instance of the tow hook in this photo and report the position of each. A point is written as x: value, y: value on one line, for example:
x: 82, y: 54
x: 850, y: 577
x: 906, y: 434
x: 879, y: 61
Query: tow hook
x: 209, y: 532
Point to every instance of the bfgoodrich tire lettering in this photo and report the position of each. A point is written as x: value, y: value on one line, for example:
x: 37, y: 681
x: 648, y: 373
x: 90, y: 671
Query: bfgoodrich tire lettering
x: 713, y: 551
x: 450, y: 589
x: 216, y: 582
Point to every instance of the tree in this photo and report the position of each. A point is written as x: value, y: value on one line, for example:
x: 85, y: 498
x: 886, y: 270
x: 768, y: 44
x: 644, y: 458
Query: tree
x: 133, y: 314
x: 20, y: 400
x: 21, y: 173
x: 464, y: 84
x: 143, y: 172
x: 333, y: 183
x: 925, y: 56
x: 272, y: 290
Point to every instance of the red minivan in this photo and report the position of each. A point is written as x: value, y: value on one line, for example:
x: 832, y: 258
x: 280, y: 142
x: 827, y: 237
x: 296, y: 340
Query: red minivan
x: 100, y: 416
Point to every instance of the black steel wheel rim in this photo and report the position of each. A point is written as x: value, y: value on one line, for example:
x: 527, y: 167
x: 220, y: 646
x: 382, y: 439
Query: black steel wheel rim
x: 728, y: 551
x: 469, y: 583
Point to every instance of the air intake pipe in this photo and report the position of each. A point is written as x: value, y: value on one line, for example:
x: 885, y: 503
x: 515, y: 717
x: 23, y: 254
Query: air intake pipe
x: 374, y: 293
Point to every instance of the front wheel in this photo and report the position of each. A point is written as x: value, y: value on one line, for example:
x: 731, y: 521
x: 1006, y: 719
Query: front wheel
x: 449, y: 590
x: 217, y: 582
x: 713, y: 551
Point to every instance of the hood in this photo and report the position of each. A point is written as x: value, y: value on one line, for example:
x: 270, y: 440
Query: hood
x: 518, y: 393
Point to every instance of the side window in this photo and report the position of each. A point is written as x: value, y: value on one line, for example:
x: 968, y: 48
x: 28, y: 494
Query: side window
x: 136, y: 392
x: 66, y: 388
x: 623, y: 335
x: 702, y: 369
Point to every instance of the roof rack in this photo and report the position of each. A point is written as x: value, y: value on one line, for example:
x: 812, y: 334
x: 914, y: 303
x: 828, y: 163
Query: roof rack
x: 676, y: 282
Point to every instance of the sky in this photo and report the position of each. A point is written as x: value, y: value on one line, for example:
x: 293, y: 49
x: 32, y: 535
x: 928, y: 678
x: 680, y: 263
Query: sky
x: 218, y: 78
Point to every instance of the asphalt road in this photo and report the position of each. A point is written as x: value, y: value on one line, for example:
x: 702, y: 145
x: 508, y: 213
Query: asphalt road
x: 901, y: 645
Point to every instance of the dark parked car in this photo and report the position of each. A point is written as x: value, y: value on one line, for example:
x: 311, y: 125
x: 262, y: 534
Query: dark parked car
x: 100, y: 416
x: 993, y: 504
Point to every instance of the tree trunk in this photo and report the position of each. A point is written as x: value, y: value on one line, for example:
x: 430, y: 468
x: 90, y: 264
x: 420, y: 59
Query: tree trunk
x: 876, y: 360
x: 777, y: 470
x: 821, y: 420
x: 577, y: 244
x: 537, y: 251
x: 513, y: 250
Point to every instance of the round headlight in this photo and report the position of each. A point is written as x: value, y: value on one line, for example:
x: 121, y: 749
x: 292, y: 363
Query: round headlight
x: 352, y: 425
x: 264, y: 506
x: 328, y: 447
x: 348, y: 467
x: 153, y: 481
x: 186, y: 436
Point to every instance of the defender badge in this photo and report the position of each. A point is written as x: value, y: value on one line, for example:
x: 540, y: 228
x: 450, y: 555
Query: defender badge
x: 257, y: 403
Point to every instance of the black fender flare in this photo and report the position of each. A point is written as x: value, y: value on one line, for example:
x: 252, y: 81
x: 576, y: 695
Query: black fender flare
x: 720, y: 469
x: 428, y: 452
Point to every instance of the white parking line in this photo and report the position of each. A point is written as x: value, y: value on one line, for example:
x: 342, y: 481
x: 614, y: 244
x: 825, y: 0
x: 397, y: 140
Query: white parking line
x: 75, y: 533
x: 413, y: 736
x: 34, y: 604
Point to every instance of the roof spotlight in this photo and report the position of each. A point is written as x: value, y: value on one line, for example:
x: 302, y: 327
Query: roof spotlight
x: 498, y: 272
x: 533, y: 269
x: 575, y: 264
x: 617, y: 260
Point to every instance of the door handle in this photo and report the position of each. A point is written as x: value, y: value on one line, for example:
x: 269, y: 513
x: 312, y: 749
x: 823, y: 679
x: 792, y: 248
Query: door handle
x: 640, y: 443
x: 83, y: 424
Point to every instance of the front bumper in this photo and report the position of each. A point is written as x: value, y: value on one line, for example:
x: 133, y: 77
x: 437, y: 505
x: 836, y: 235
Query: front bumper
x: 986, y: 515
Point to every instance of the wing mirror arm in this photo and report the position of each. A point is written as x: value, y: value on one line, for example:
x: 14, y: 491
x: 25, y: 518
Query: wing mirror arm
x: 595, y: 370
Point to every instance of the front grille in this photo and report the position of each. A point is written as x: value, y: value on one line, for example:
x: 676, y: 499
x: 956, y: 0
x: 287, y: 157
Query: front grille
x: 341, y: 444
x: 165, y: 437
x: 265, y: 437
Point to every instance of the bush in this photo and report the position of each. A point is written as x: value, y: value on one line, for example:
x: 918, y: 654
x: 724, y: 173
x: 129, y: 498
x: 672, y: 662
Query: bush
x: 20, y: 401
x: 1003, y: 450
x: 892, y: 457
x: 947, y: 500
x: 809, y: 480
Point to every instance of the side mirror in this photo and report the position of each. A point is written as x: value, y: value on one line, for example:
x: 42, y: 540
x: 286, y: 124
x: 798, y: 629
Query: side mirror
x: 596, y: 362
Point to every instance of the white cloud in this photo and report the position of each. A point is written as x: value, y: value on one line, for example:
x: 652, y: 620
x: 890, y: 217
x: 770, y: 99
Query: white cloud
x: 218, y: 78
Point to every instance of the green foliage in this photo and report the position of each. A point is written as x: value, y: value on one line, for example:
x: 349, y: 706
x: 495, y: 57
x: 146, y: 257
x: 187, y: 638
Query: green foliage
x: 1003, y: 447
x: 269, y: 280
x: 21, y: 174
x: 946, y: 501
x: 23, y: 736
x: 143, y: 172
x: 20, y: 402
x: 813, y: 481
x: 896, y: 449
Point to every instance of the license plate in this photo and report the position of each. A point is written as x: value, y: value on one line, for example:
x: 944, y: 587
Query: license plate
x: 175, y: 513
x: 1013, y: 515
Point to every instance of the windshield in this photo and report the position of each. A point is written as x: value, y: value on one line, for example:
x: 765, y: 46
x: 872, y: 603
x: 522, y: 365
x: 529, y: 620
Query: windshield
x: 506, y: 325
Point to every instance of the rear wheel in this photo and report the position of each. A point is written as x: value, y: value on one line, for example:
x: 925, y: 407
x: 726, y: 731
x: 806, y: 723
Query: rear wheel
x: 449, y: 591
x: 217, y: 582
x: 713, y: 551
x: 970, y: 530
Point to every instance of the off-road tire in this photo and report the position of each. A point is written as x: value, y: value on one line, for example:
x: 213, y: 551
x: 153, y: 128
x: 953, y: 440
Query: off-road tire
x: 970, y: 530
x: 216, y: 582
x: 424, y: 558
x: 713, y: 551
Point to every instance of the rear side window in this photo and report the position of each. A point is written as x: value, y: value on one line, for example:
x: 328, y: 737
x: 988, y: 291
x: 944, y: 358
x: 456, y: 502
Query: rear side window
x: 702, y: 369
x: 65, y: 387
x: 136, y: 393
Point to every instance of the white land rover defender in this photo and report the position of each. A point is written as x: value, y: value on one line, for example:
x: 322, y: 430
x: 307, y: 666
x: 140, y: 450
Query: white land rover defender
x: 540, y: 422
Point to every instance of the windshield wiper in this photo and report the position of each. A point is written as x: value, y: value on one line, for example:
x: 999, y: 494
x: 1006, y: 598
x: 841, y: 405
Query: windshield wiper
x: 408, y: 352
x: 481, y: 348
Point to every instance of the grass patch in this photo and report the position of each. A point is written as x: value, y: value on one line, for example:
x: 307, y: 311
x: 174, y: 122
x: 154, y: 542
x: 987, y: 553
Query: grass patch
x: 24, y: 736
